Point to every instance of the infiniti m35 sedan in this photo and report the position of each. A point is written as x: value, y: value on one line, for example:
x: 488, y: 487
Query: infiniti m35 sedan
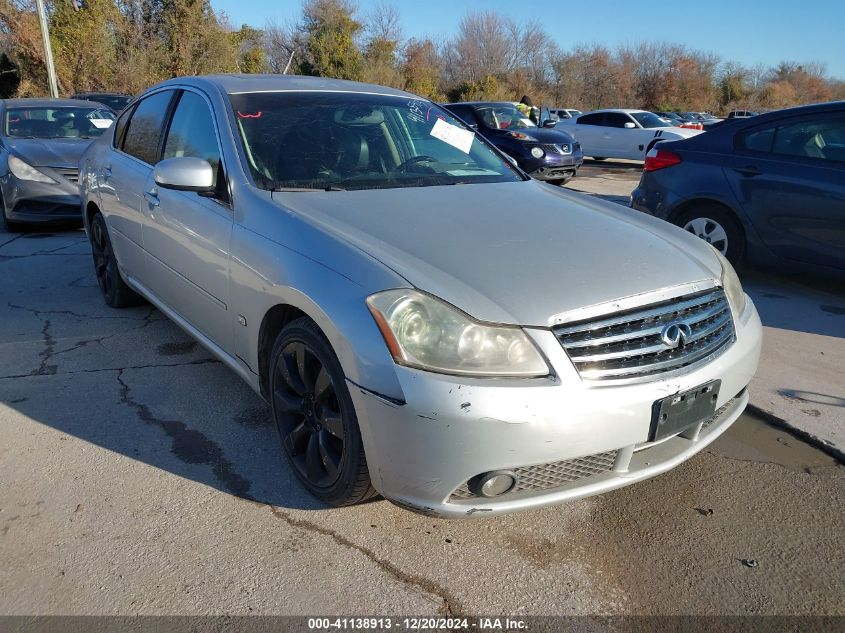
x: 426, y: 322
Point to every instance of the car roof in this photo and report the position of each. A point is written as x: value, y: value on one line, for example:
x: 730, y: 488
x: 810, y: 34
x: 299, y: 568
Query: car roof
x: 241, y: 83
x: 101, y: 94
x: 46, y: 103
x: 620, y: 110
x: 482, y: 103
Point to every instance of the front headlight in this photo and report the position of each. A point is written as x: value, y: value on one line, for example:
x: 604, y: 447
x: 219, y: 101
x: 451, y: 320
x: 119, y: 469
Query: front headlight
x: 25, y: 171
x: 731, y: 285
x: 424, y: 332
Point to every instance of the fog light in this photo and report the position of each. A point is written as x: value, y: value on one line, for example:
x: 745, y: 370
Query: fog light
x: 493, y: 484
x: 536, y: 152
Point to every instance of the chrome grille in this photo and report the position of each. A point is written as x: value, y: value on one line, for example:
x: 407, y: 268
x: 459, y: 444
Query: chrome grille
x: 552, y: 475
x: 629, y: 345
x: 69, y: 174
x: 557, y: 148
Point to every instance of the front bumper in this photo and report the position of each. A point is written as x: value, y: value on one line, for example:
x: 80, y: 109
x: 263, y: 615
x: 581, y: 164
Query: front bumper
x: 449, y: 430
x: 552, y: 166
x: 30, y: 201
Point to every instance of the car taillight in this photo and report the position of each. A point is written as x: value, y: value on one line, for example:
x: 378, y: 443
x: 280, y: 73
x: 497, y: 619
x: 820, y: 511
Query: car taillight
x: 660, y: 159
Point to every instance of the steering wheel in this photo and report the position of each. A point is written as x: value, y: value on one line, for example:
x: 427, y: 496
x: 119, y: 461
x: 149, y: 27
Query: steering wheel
x: 414, y: 161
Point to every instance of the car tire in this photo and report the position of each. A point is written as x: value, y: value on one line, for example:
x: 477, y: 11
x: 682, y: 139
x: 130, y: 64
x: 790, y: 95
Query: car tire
x: 315, y: 416
x: 562, y: 181
x: 11, y: 227
x: 116, y: 293
x: 717, y: 226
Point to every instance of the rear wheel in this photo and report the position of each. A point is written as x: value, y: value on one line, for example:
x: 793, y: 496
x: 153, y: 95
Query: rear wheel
x: 315, y: 416
x: 717, y: 227
x: 115, y: 291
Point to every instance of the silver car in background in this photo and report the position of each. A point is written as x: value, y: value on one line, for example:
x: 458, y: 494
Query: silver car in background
x: 425, y: 321
x: 41, y: 141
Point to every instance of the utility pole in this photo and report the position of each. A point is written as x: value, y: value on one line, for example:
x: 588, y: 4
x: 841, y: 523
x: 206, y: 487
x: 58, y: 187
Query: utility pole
x: 48, y: 50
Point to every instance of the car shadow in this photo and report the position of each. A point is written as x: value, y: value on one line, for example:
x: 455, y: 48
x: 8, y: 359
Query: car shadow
x: 128, y: 381
x: 797, y: 303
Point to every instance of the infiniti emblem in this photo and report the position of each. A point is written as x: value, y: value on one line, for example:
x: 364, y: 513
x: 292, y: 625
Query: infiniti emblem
x: 675, y: 335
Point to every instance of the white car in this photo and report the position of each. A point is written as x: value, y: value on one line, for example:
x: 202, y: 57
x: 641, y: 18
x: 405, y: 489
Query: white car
x: 565, y: 113
x: 621, y: 133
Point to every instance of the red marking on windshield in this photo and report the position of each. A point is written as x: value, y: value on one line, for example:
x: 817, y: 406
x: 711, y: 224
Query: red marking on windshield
x: 248, y: 115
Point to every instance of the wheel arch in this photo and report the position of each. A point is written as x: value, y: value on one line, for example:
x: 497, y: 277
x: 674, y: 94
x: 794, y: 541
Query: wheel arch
x: 274, y: 320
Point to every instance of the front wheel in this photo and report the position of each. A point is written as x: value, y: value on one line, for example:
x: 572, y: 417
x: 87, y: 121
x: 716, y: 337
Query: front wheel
x: 315, y: 416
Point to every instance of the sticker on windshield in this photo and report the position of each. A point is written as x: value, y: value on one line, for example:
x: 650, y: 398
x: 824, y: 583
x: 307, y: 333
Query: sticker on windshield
x: 101, y: 124
x: 453, y: 135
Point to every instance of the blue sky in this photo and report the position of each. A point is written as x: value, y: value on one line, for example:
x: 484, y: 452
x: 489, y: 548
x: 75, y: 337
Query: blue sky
x: 747, y: 31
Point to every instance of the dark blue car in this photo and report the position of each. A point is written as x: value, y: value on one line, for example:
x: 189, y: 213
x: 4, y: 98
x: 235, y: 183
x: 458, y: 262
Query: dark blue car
x: 542, y: 153
x: 767, y: 190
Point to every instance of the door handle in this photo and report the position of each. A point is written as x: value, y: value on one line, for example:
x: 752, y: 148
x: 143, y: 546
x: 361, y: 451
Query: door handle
x: 152, y: 198
x: 749, y: 171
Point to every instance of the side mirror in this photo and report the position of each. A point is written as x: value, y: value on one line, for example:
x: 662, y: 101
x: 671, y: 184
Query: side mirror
x: 185, y: 174
x: 549, y: 123
x: 629, y: 125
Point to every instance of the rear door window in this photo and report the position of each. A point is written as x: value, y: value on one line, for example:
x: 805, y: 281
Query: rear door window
x: 145, y: 125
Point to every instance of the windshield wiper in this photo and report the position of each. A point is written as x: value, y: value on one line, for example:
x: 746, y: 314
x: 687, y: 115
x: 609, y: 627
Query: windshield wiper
x: 287, y: 189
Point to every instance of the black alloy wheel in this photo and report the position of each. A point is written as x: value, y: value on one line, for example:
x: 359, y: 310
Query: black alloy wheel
x: 315, y: 416
x: 115, y: 291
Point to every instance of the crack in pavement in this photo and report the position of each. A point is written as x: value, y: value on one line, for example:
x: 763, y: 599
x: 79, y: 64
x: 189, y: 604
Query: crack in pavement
x: 77, y: 315
x: 201, y: 361
x: 450, y: 606
x: 49, y: 352
x: 188, y: 445
x: 17, y: 237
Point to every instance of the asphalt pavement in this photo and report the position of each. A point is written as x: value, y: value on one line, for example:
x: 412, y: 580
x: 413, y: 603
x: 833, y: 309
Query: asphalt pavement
x: 138, y: 475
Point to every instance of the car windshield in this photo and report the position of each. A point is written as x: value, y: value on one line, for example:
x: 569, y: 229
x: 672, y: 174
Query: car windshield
x: 503, y: 117
x: 339, y: 140
x: 649, y: 120
x: 56, y: 122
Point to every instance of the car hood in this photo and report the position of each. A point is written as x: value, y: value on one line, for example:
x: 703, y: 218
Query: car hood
x: 520, y: 253
x: 59, y: 152
x: 543, y: 135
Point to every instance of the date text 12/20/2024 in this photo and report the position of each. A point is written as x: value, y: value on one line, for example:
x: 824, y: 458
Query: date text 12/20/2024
x: 417, y: 624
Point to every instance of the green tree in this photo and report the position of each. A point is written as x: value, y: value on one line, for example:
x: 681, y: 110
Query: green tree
x: 84, y: 45
x: 329, y: 30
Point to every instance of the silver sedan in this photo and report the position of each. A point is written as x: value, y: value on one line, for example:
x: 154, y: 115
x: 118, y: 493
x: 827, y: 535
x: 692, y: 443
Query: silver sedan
x: 426, y: 322
x: 41, y: 141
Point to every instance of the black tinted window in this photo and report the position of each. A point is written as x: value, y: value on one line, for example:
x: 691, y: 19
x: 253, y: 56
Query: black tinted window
x: 591, y: 119
x: 617, y: 119
x: 145, y: 127
x: 192, y: 131
x: 120, y: 128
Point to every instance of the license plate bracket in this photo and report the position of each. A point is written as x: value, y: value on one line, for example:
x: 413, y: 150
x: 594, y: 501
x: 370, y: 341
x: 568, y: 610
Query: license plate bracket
x: 678, y: 412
